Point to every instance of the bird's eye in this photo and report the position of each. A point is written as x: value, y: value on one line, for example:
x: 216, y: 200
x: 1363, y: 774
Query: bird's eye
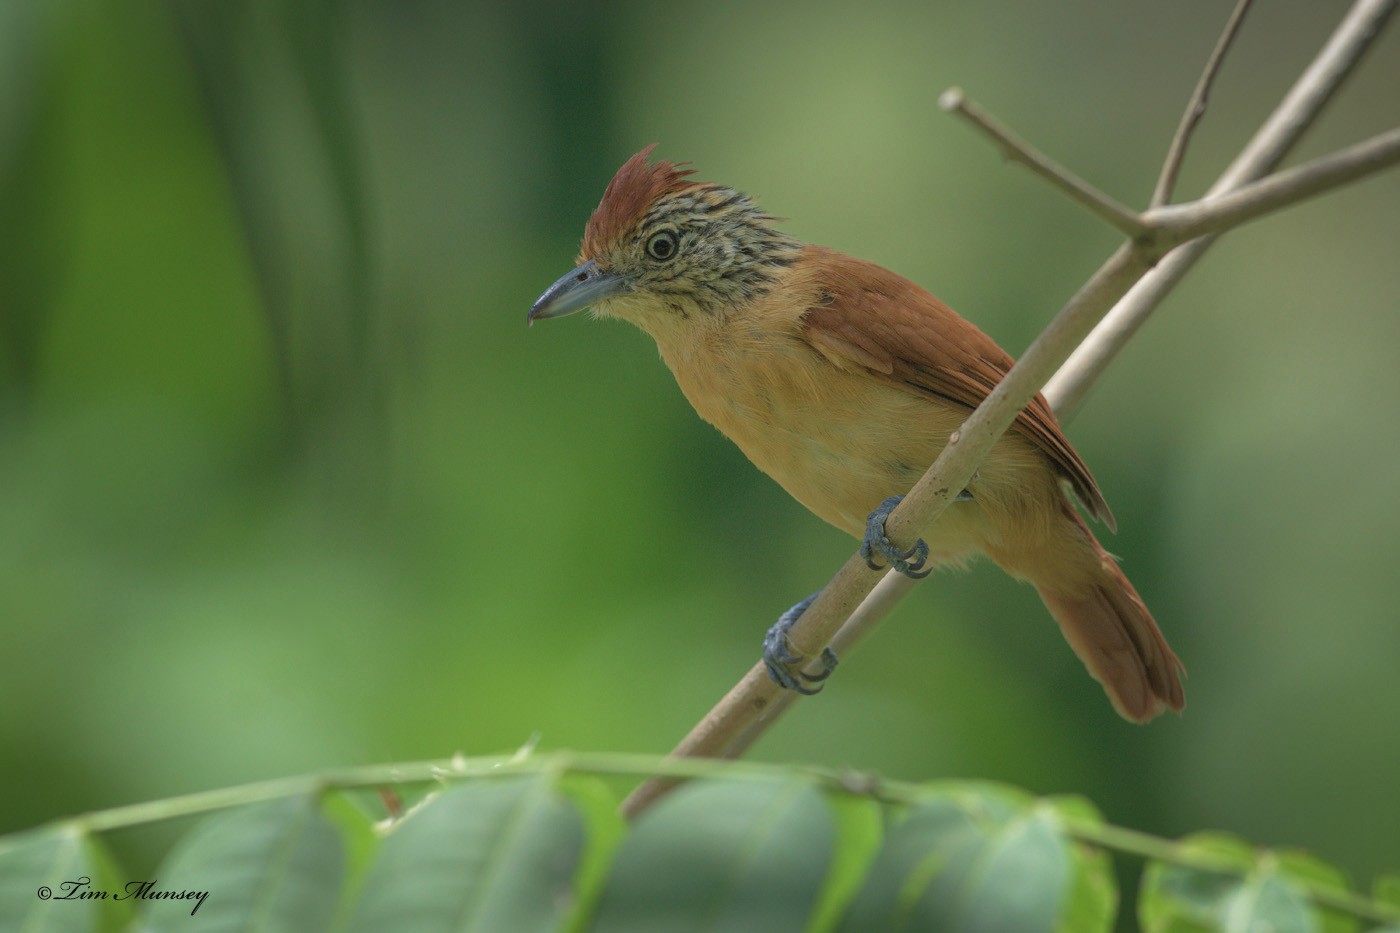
x: 662, y: 246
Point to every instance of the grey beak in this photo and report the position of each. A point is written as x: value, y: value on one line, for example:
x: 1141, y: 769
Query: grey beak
x: 585, y: 285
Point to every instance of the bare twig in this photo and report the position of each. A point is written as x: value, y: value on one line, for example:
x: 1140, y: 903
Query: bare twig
x: 1180, y: 223
x: 1196, y: 108
x: 1018, y: 150
x: 872, y: 610
x: 755, y: 701
x: 1274, y: 140
x: 1070, y: 386
x: 714, y: 737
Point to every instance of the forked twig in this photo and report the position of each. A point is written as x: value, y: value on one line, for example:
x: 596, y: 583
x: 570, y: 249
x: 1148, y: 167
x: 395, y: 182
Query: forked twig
x: 1298, y: 110
x: 1179, y: 223
x: 1196, y: 108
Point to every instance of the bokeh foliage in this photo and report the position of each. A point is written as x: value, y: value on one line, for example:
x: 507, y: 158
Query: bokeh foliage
x: 535, y: 842
x: 285, y: 482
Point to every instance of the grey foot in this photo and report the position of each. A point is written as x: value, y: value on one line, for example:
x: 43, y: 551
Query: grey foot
x: 910, y: 562
x: 779, y: 658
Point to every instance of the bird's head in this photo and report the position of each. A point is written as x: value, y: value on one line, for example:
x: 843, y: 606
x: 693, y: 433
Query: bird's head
x: 663, y: 251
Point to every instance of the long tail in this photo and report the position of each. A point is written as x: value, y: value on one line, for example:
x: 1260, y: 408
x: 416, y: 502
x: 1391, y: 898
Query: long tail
x: 1106, y: 623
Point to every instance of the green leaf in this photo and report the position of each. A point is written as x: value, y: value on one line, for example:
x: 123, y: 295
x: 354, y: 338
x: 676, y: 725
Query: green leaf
x: 1251, y: 891
x: 860, y: 828
x: 264, y: 867
x: 1093, y: 895
x: 352, y: 815
x: 605, y: 829
x: 983, y: 859
x: 59, y: 880
x: 1177, y: 899
x: 490, y: 855
x: 1386, y: 890
x: 346, y: 810
x: 1265, y: 904
x: 722, y: 855
x: 1308, y: 872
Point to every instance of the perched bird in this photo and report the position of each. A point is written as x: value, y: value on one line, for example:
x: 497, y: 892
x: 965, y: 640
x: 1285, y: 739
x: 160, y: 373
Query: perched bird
x: 843, y: 381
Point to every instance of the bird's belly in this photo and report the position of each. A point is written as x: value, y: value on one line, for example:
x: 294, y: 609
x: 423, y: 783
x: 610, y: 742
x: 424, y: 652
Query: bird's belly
x: 839, y: 444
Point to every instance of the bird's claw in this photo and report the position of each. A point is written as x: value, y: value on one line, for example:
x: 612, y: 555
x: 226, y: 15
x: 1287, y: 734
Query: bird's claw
x: 910, y: 562
x: 779, y: 659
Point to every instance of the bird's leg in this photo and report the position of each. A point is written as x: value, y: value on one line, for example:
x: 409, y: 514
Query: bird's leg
x: 778, y: 656
x: 910, y: 562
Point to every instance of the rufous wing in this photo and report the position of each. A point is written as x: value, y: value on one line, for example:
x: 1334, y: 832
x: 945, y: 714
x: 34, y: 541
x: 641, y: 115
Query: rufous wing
x: 868, y: 316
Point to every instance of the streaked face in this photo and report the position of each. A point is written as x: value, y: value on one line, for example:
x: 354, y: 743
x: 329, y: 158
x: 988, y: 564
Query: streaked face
x: 660, y: 245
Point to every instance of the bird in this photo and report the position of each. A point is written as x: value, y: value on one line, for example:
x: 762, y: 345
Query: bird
x: 843, y: 381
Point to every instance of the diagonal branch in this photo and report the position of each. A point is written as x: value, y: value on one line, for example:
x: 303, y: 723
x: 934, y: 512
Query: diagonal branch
x: 1180, y: 223
x: 1299, y: 109
x: 1018, y: 150
x: 1196, y: 108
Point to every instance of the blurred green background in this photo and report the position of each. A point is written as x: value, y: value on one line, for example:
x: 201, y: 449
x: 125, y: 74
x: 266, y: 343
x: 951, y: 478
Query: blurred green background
x: 286, y: 483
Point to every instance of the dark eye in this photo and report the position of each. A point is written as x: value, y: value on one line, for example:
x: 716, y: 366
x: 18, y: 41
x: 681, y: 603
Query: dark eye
x: 662, y: 246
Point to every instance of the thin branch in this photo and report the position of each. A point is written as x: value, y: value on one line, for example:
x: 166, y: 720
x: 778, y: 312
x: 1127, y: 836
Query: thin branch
x: 1183, y: 222
x: 1313, y: 90
x: 1310, y: 94
x: 1070, y: 386
x: 1196, y: 108
x: 726, y: 733
x: 1017, y: 150
x: 872, y: 610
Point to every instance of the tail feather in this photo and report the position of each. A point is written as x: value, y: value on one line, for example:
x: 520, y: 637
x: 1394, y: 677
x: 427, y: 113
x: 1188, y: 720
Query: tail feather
x: 1115, y: 636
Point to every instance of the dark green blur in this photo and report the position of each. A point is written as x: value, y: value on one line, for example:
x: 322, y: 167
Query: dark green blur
x: 287, y: 484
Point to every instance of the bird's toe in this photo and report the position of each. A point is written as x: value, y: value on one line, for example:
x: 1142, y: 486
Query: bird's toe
x: 910, y: 563
x: 781, y: 661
